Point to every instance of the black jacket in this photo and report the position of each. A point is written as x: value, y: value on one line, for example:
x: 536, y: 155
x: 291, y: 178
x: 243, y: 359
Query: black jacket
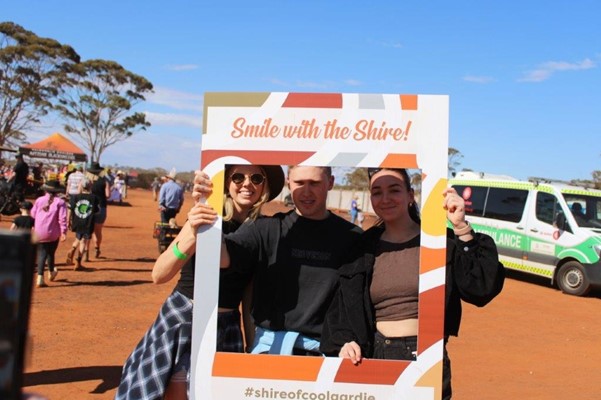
x: 473, y: 274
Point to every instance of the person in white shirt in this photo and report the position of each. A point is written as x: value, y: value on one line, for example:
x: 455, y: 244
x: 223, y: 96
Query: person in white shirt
x: 75, y: 181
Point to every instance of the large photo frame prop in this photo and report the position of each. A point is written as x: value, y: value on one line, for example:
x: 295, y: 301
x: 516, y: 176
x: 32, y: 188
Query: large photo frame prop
x: 324, y: 129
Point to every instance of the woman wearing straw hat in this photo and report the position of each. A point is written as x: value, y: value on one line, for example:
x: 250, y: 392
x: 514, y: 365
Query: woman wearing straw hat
x: 159, y: 366
x: 100, y: 188
x: 50, y: 214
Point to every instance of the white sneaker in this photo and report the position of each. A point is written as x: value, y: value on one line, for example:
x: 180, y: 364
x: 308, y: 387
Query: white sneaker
x: 40, y: 281
x: 52, y: 275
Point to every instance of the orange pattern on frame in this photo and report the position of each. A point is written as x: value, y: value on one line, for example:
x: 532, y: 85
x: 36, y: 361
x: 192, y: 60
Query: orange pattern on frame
x: 409, y: 102
x: 431, y: 259
x: 431, y: 318
x: 399, y: 161
x: 313, y: 100
x: 374, y: 372
x: 267, y: 366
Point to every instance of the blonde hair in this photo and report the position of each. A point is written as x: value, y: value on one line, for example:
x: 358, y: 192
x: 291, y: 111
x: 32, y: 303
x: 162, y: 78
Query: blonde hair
x: 228, y: 202
x: 90, y: 177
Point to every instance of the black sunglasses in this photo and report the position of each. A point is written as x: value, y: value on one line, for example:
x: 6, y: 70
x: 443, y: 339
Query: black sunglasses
x: 239, y: 177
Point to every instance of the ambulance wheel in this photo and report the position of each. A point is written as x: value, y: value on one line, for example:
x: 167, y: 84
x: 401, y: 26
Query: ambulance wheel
x: 571, y: 279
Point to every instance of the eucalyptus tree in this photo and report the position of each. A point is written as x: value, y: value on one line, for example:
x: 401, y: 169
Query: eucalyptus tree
x: 99, y: 105
x: 33, y: 71
x: 455, y: 157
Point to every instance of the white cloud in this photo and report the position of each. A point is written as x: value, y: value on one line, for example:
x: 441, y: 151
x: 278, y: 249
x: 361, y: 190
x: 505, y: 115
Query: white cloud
x: 353, y: 82
x: 547, y: 69
x: 182, y: 67
x: 394, y: 45
x: 176, y: 99
x: 174, y: 119
x: 314, y: 85
x: 478, y: 79
x: 278, y: 82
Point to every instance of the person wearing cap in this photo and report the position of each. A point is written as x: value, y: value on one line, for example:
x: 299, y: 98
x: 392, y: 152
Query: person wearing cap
x: 171, y: 198
x: 25, y: 220
x: 50, y: 214
x: 160, y: 363
x: 293, y: 258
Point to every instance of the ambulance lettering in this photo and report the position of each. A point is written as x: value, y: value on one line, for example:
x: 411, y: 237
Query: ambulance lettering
x: 504, y: 239
x: 509, y: 240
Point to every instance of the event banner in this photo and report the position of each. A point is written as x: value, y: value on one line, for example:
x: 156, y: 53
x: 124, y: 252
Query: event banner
x: 336, y: 130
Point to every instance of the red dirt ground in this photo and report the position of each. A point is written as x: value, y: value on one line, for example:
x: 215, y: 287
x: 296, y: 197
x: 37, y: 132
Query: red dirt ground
x: 532, y: 342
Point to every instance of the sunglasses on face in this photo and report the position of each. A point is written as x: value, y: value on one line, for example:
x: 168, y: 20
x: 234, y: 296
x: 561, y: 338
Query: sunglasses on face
x: 255, y: 179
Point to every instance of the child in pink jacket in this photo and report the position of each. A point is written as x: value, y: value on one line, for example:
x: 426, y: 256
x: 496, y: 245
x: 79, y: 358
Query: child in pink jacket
x: 50, y: 213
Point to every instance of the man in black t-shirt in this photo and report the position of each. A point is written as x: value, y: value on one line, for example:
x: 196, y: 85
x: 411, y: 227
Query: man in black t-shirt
x: 293, y: 258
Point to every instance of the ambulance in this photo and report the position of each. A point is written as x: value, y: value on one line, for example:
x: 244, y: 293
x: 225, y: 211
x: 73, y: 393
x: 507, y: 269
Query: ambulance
x: 546, y: 228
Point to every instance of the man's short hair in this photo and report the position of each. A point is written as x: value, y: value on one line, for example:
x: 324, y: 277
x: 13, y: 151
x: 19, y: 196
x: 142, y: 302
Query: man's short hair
x: 327, y: 170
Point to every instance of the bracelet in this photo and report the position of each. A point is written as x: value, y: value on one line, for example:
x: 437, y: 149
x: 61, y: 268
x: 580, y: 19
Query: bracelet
x: 178, y: 254
x: 463, y: 231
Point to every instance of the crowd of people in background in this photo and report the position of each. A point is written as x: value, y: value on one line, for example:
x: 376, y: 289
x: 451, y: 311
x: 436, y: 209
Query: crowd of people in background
x: 73, y: 196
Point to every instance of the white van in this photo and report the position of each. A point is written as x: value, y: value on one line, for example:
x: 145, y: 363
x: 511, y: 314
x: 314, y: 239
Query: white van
x: 545, y: 228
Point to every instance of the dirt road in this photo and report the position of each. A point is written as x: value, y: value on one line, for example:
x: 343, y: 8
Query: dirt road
x: 532, y: 342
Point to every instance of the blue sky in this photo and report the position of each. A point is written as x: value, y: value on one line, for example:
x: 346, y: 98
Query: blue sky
x: 523, y: 78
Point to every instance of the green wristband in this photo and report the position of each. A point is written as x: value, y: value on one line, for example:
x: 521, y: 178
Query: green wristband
x: 178, y: 254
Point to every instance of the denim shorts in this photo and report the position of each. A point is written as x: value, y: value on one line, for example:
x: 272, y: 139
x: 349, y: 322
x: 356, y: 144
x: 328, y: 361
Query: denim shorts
x: 83, y: 235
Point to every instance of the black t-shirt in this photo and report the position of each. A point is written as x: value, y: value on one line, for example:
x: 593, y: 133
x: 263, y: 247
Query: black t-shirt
x: 24, y: 221
x: 99, y: 189
x: 185, y: 285
x: 294, y: 263
x: 83, y: 207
